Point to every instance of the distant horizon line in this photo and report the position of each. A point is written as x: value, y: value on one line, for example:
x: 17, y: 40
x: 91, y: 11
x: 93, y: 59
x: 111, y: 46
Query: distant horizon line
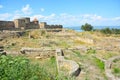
x: 95, y: 26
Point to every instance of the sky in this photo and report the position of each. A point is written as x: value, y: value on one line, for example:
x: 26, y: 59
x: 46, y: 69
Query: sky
x: 65, y: 12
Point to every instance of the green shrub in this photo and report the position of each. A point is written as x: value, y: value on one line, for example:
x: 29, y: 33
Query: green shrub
x: 109, y: 31
x: 116, y: 71
x: 20, y: 68
x: 87, y: 27
x: 106, y: 31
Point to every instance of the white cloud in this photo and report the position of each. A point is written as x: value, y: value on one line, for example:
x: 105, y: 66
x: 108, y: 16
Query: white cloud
x: 38, y: 17
x: 43, y: 18
x: 92, y: 17
x: 76, y: 20
x: 18, y: 15
x: 27, y: 9
x: 65, y: 19
x: 42, y: 9
x: 5, y: 16
x: 1, y: 6
x: 116, y: 18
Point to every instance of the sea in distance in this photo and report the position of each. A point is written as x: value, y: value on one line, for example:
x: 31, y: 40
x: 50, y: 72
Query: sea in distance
x: 78, y: 28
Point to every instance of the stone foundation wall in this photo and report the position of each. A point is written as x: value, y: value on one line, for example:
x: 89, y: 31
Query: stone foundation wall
x: 38, y: 52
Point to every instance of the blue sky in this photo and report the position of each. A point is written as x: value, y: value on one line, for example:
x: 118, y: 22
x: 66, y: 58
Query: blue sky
x: 65, y: 12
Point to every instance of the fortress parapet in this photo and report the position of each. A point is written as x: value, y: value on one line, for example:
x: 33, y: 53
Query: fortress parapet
x: 54, y: 28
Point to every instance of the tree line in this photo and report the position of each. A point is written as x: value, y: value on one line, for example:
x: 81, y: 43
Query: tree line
x: 107, y: 30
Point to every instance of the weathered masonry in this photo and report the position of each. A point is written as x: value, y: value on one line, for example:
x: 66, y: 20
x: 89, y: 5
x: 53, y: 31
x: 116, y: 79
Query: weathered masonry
x: 25, y: 23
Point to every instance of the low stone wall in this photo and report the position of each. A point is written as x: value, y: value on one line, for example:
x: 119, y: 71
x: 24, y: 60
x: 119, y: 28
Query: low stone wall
x: 38, y: 53
x: 65, y: 66
x: 68, y: 67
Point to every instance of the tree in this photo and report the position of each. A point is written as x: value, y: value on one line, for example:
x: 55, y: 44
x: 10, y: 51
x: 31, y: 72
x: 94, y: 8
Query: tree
x: 106, y: 31
x: 87, y: 27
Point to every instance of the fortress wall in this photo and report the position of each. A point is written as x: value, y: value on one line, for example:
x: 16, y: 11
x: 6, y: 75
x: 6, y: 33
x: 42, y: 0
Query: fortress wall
x: 6, y: 25
x: 32, y: 25
x: 24, y: 23
x: 53, y: 28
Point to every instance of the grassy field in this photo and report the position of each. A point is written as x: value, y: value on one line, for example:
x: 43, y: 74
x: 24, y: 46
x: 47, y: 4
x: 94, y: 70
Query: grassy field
x: 86, y: 48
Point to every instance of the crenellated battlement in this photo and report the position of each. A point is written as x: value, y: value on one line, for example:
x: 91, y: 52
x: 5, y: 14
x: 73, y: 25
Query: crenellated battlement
x: 54, y: 28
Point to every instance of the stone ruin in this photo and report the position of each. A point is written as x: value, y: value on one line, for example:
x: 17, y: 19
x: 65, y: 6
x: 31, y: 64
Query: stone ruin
x: 68, y: 67
x: 25, y: 23
x: 38, y: 53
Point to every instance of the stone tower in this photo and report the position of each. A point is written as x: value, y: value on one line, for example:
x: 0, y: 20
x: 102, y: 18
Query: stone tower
x: 43, y: 24
x: 21, y: 23
x: 27, y: 19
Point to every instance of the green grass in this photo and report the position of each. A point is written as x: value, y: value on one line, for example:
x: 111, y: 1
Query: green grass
x: 116, y: 71
x: 63, y: 44
x: 20, y: 68
x: 91, y: 51
x: 100, y: 64
x: 116, y: 67
x: 77, y: 53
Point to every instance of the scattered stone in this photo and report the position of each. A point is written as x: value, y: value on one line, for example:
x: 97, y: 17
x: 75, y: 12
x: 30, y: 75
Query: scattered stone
x: 38, y: 57
x: 2, y: 52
